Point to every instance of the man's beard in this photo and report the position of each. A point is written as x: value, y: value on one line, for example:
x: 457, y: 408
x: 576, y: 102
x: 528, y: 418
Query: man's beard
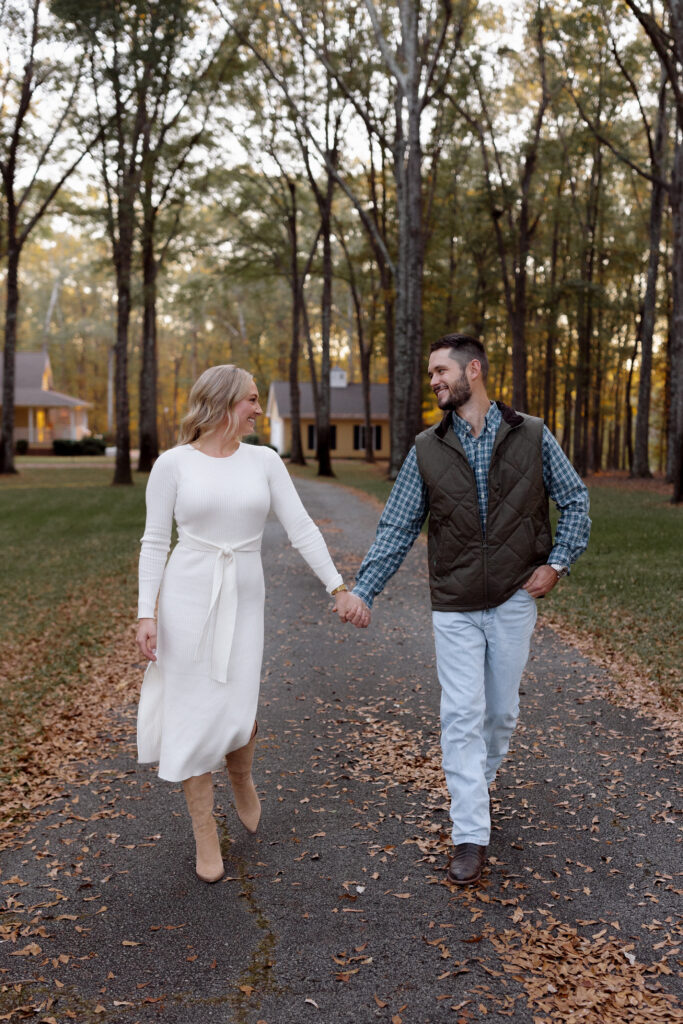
x: 458, y: 394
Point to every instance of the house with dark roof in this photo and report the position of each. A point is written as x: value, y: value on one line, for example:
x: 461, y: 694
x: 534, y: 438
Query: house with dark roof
x: 347, y: 418
x: 41, y: 414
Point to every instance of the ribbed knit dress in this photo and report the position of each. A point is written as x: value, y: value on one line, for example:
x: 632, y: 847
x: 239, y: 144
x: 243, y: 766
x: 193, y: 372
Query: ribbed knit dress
x: 198, y: 700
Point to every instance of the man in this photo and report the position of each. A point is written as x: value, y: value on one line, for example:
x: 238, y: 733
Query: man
x: 484, y: 475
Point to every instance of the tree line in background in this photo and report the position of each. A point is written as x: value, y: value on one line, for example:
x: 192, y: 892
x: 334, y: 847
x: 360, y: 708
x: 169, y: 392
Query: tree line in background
x: 289, y: 184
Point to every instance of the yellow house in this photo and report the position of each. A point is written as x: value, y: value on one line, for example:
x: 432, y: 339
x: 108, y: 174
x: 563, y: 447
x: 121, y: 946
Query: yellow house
x: 41, y: 414
x: 347, y: 419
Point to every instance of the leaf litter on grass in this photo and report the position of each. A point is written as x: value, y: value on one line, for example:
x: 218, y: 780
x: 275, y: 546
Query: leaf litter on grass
x: 71, y: 730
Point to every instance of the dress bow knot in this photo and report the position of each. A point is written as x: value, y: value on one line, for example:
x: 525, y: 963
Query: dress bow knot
x: 219, y: 625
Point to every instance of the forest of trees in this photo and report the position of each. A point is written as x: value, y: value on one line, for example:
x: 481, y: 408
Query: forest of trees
x: 289, y: 185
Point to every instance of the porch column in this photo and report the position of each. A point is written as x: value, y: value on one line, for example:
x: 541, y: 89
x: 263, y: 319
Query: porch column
x: 72, y: 425
x: 31, y: 426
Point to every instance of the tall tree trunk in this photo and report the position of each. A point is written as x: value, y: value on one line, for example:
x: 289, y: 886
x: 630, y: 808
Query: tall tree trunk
x: 549, y: 371
x: 595, y: 404
x: 676, y: 432
x: 641, y: 461
x: 323, y: 424
x: 296, y: 451
x: 149, y: 437
x: 567, y: 408
x: 416, y: 267
x: 518, y: 313
x: 315, y: 390
x: 388, y: 305
x: 549, y: 374
x: 668, y: 44
x: 367, y: 403
x: 16, y: 172
x: 452, y: 265
x: 628, y: 417
x: 615, y: 436
x: 177, y: 362
x: 595, y: 445
x: 124, y: 247
x: 667, y: 411
x: 585, y: 319
x: 405, y: 383
x: 364, y: 350
x: 378, y: 213
x: 9, y: 356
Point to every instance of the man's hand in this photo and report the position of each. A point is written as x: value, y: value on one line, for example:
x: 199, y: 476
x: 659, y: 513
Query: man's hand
x: 147, y: 638
x: 541, y: 581
x: 350, y: 608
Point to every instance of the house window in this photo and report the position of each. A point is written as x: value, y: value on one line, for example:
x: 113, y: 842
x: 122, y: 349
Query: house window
x: 312, y: 437
x: 359, y: 437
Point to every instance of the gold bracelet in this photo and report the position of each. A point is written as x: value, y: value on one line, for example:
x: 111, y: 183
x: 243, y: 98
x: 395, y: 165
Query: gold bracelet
x: 337, y: 590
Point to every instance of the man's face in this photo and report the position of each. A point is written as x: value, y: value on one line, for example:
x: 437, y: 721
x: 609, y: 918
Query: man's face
x: 448, y: 380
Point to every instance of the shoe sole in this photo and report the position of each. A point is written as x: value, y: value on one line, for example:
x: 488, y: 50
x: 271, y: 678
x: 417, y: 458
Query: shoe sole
x: 464, y: 881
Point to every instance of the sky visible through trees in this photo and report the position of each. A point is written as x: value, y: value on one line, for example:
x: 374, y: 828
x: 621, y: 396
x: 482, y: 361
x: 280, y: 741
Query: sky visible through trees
x: 292, y: 186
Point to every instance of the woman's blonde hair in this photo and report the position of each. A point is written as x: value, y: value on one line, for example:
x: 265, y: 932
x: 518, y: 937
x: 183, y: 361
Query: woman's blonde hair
x: 213, y: 397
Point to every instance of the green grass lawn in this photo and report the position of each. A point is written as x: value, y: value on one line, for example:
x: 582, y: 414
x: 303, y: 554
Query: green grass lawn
x: 625, y: 591
x: 69, y: 544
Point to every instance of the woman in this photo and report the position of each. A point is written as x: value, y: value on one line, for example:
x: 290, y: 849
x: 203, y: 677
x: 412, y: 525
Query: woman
x: 199, y: 695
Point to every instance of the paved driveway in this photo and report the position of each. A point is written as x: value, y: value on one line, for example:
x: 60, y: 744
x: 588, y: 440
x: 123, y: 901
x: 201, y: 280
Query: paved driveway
x: 337, y: 912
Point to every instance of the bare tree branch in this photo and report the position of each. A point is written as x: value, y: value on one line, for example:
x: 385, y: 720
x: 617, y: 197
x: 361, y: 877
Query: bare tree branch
x: 388, y: 56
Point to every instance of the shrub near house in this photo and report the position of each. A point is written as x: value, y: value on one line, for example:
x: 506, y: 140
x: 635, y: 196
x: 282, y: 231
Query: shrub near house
x: 92, y: 445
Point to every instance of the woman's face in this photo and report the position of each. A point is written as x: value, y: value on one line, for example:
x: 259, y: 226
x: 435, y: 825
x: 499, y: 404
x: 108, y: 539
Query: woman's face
x: 246, y: 411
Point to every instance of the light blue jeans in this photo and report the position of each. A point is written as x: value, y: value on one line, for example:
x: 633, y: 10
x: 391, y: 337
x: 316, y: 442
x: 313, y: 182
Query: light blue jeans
x: 480, y: 657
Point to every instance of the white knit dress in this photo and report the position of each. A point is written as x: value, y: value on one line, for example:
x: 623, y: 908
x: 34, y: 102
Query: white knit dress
x: 198, y: 700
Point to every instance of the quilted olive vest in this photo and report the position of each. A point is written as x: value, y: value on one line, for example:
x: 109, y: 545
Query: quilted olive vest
x: 467, y: 571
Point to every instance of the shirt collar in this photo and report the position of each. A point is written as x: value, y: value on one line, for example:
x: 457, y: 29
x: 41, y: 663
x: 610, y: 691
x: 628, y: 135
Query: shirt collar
x: 491, y: 423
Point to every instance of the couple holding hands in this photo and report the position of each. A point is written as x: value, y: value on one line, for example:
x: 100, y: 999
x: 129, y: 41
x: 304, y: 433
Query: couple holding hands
x: 483, y: 475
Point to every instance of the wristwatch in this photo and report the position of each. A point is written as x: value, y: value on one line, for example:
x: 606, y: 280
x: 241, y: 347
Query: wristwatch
x: 561, y: 570
x: 338, y: 590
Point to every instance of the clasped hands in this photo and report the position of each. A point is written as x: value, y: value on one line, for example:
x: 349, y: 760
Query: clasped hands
x: 351, y: 608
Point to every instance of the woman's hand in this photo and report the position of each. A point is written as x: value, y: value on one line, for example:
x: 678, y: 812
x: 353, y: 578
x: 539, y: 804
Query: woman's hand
x: 147, y: 638
x: 351, y: 608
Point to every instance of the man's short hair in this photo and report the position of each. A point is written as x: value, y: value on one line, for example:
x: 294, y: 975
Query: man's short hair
x: 463, y: 348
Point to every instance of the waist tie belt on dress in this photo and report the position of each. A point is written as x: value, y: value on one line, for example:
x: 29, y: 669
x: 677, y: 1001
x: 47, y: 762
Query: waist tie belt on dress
x: 218, y: 631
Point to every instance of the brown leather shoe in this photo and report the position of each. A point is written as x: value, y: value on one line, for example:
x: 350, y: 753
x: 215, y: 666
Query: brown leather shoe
x: 467, y: 863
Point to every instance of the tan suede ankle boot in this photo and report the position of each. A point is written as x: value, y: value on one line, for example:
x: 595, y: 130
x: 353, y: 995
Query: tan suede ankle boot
x: 247, y: 803
x: 199, y: 795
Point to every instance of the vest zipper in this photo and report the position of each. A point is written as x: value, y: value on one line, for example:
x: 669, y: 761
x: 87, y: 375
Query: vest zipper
x: 485, y: 554
x: 484, y: 542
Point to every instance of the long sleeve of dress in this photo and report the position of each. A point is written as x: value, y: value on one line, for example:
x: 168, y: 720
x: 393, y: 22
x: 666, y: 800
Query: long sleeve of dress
x: 160, y: 497
x: 303, y: 534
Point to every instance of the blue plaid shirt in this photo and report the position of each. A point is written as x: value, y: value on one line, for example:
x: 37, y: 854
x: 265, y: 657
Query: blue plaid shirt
x: 408, y: 505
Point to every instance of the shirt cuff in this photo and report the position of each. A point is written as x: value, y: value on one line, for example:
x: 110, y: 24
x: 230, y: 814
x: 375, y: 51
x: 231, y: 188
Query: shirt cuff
x: 364, y: 595
x: 560, y: 555
x: 335, y: 583
x: 145, y: 612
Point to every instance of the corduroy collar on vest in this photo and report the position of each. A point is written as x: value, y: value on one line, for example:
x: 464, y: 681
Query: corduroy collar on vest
x: 510, y: 416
